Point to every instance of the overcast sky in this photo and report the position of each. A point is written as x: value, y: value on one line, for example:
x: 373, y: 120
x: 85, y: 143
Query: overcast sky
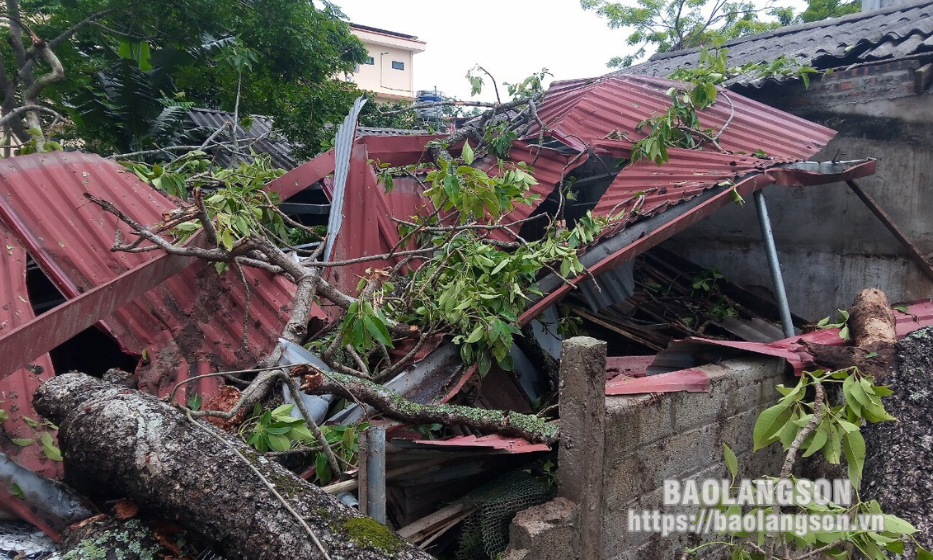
x: 510, y: 38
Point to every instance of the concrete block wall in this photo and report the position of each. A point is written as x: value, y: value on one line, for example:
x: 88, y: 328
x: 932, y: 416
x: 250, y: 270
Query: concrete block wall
x: 651, y: 438
x: 679, y: 436
x: 829, y: 244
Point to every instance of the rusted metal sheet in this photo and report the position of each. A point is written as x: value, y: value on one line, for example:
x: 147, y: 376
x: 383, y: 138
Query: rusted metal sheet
x: 629, y: 366
x: 662, y: 226
x: 303, y: 176
x: 579, y: 112
x: 196, y: 318
x: 367, y: 227
x: 690, y: 380
x: 495, y: 442
x: 693, y: 352
x: 17, y: 388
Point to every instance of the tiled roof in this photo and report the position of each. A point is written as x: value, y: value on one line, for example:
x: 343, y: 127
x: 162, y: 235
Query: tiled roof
x: 259, y: 135
x: 892, y: 32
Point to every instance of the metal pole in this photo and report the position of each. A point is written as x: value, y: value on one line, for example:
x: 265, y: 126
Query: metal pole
x: 376, y: 473
x: 776, y: 278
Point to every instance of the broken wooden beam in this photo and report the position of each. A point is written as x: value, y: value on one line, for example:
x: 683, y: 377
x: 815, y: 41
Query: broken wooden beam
x: 886, y: 220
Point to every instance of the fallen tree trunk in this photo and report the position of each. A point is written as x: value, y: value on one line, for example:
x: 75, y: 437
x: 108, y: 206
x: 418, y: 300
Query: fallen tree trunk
x: 899, y: 454
x: 123, y: 443
x: 872, y: 328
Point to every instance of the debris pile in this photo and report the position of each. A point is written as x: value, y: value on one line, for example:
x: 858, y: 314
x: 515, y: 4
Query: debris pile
x: 311, y: 348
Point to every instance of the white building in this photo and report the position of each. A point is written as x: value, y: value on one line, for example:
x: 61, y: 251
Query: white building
x: 388, y: 71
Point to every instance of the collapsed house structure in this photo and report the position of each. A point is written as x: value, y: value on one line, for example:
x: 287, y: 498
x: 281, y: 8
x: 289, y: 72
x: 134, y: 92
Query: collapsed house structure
x: 176, y: 318
x: 873, y: 87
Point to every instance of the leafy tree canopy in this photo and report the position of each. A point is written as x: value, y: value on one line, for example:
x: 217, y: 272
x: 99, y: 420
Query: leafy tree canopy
x: 670, y: 25
x: 299, y: 51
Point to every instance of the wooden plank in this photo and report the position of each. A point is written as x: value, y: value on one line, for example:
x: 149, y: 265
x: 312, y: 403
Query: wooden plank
x: 430, y: 522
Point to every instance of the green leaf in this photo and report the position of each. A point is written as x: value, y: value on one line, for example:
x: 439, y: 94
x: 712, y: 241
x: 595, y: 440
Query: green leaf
x: 924, y: 554
x: 820, y: 437
x: 23, y: 442
x: 194, y: 402
x: 283, y: 410
x: 377, y: 329
x: 467, y: 153
x: 52, y: 452
x: 322, y: 468
x: 477, y: 334
x: 894, y: 524
x: 279, y: 442
x: 731, y: 462
x: 853, y: 446
x: 769, y: 423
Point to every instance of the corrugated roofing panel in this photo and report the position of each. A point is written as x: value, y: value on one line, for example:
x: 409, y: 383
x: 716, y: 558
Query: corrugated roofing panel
x: 485, y: 444
x: 16, y: 389
x: 201, y: 312
x: 693, y: 352
x: 823, y: 44
x: 582, y: 112
x: 260, y: 136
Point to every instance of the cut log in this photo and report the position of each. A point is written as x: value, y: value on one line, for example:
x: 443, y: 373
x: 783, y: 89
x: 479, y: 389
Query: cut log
x: 871, y: 327
x: 899, y: 454
x: 871, y: 321
x: 122, y: 443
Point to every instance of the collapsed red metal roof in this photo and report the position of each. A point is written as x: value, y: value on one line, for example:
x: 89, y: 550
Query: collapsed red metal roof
x: 194, y: 320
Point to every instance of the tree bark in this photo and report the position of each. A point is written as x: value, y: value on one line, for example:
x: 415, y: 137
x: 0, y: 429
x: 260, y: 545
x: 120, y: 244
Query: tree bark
x: 899, y: 454
x: 871, y: 327
x: 122, y: 443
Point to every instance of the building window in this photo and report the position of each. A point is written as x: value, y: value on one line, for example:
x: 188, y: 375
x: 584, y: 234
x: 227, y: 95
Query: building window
x: 370, y: 60
x: 396, y: 65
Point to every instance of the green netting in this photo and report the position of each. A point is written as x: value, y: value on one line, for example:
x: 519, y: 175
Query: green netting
x: 485, y: 532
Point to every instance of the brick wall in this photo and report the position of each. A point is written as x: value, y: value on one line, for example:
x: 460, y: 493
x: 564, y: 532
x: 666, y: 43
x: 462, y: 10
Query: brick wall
x: 651, y: 438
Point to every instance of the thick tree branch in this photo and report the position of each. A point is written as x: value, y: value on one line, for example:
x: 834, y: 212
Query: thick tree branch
x: 531, y: 428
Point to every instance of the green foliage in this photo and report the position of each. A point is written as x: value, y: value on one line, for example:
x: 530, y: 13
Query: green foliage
x: 365, y: 325
x: 708, y: 280
x: 236, y: 201
x: 42, y: 435
x: 531, y: 85
x: 344, y: 441
x: 473, y: 193
x: 842, y: 325
x: 479, y: 290
x: 396, y: 114
x: 822, y: 9
x: 472, y: 288
x: 837, y: 434
x: 277, y: 429
x: 679, y: 126
x: 294, y: 76
x: 670, y: 25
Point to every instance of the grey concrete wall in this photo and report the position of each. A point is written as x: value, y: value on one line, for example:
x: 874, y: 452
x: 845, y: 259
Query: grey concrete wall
x: 830, y: 245
x: 652, y: 438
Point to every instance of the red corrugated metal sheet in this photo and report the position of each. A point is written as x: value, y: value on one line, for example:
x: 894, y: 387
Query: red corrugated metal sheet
x: 690, y: 380
x: 549, y: 169
x: 16, y: 390
x: 195, y: 318
x: 494, y: 442
x: 745, y: 188
x: 628, y: 366
x: 367, y: 227
x: 919, y: 315
x: 580, y: 111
